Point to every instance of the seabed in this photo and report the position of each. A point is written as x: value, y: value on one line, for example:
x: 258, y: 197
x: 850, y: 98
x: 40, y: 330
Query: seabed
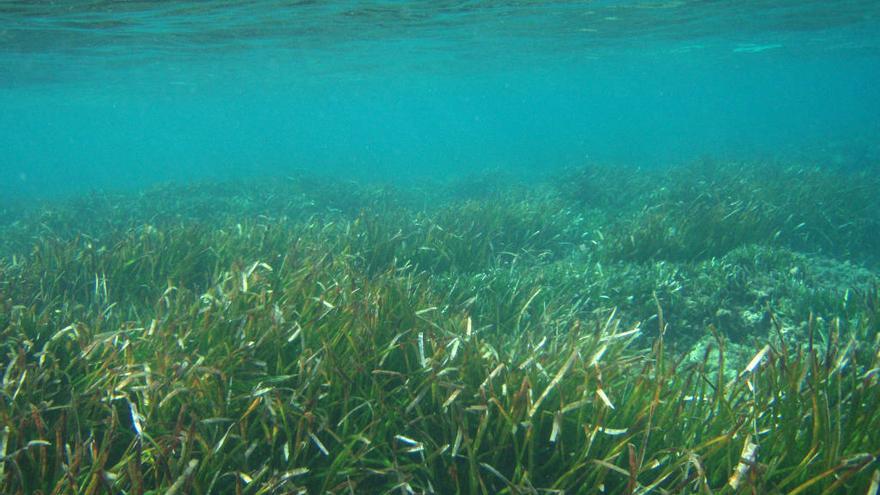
x: 711, y: 328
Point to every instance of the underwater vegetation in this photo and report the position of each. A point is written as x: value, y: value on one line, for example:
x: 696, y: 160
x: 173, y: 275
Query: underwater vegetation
x: 704, y: 329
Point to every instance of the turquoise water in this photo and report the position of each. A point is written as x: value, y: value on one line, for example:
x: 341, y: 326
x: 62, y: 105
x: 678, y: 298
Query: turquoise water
x: 99, y: 94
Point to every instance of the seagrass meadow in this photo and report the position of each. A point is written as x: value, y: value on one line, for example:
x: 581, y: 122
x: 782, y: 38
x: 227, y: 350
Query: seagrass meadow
x: 710, y: 328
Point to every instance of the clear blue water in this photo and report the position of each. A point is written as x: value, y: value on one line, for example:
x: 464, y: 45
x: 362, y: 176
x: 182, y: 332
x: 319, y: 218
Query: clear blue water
x: 100, y: 94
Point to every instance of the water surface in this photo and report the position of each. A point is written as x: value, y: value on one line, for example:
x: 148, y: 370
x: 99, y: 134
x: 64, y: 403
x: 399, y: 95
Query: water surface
x: 122, y: 94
